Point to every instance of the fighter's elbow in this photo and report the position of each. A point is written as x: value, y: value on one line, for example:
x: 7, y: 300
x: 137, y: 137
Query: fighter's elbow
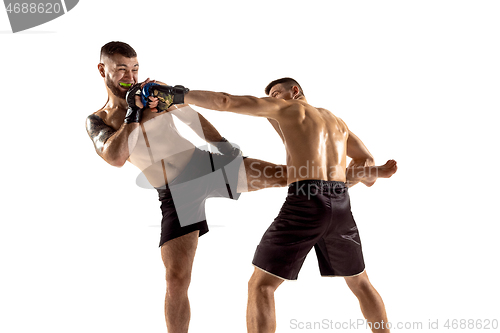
x: 368, y: 183
x: 115, y: 161
x: 223, y: 102
x: 118, y: 161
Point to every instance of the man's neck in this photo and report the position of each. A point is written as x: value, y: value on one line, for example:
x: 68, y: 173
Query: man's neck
x: 116, y: 103
x: 302, y: 99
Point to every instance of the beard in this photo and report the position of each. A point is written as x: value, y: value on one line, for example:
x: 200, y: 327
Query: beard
x: 115, y: 89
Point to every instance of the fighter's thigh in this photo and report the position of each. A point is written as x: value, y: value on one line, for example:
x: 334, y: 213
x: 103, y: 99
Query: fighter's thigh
x: 178, y: 254
x: 262, y: 174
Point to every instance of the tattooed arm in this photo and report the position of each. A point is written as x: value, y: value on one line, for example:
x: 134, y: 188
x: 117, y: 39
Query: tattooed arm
x: 111, y: 145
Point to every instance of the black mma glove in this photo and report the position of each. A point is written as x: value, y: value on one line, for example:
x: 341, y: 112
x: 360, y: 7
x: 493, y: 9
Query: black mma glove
x: 134, y: 113
x: 226, y: 148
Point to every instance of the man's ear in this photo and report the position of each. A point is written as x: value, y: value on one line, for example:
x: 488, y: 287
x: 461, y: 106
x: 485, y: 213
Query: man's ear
x: 295, y: 92
x: 100, y: 67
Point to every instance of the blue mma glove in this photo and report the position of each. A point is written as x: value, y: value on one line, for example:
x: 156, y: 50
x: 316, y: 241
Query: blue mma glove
x: 167, y: 95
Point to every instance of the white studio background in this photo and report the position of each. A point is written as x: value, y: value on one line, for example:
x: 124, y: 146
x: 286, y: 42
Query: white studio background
x: 416, y: 81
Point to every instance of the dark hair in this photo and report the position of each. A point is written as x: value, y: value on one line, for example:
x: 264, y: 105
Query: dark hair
x: 287, y: 80
x: 118, y: 48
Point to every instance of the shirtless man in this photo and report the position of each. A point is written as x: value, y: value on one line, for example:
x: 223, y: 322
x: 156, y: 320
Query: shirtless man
x: 150, y: 140
x: 316, y: 212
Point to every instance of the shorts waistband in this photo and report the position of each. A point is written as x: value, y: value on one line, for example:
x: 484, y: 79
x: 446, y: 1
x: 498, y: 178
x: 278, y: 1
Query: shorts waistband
x: 315, y: 186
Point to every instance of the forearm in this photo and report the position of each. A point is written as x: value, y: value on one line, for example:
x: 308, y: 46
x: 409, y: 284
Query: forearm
x: 362, y: 161
x: 358, y: 170
x: 208, y: 99
x: 356, y: 174
x: 116, y: 149
x: 369, y: 174
x: 246, y: 105
x: 358, y: 152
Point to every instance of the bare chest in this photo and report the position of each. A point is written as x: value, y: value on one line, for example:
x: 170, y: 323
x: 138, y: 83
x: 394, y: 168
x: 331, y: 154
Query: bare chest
x: 115, y: 120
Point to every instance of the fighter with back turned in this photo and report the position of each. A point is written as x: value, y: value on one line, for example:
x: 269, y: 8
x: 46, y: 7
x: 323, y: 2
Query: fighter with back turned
x: 316, y: 212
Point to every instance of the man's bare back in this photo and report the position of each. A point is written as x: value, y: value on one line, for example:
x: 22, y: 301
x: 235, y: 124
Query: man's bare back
x: 315, y: 142
x: 314, y: 138
x: 318, y: 144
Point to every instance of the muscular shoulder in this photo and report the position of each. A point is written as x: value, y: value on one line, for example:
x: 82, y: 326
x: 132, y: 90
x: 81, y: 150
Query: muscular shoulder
x: 293, y: 111
x: 342, y: 125
x: 97, y: 129
x: 96, y: 120
x: 332, y: 121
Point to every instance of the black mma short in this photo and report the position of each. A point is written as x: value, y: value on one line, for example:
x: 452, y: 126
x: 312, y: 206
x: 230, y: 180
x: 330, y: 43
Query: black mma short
x: 207, y: 175
x: 316, y: 213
